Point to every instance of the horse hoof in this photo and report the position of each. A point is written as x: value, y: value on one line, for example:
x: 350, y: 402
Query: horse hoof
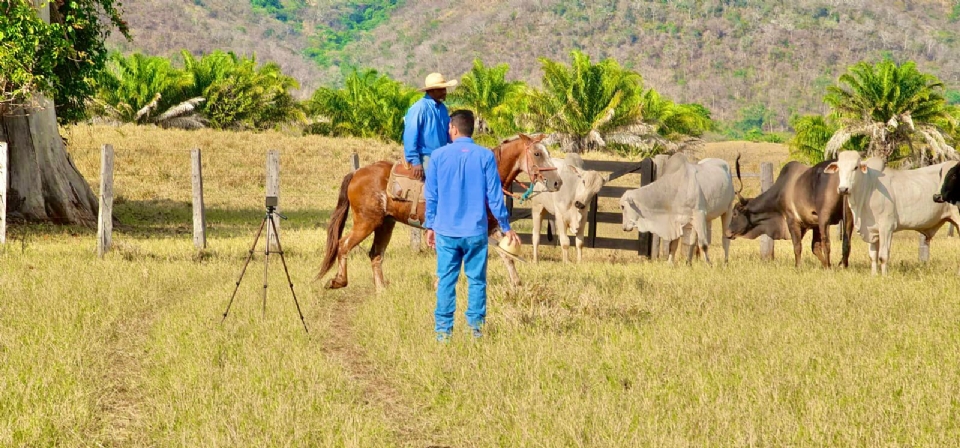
x: 335, y: 284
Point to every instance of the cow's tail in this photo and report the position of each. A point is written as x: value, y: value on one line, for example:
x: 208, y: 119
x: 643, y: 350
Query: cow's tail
x: 335, y: 230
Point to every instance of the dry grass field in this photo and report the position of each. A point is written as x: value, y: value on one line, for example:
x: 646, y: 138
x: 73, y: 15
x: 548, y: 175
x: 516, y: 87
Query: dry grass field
x: 130, y: 351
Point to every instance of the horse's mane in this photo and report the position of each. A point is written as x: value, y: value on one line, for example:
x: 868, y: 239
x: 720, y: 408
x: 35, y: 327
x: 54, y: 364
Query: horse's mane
x: 517, y: 137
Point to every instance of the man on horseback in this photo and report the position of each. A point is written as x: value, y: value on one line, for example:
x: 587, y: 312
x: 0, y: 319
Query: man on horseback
x: 426, y: 123
x: 462, y: 182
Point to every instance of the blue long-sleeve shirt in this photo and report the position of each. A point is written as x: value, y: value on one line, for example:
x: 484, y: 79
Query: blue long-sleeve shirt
x: 462, y: 181
x: 425, y: 128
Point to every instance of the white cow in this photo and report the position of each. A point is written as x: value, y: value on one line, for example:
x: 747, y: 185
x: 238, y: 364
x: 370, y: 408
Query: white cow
x: 567, y: 205
x: 884, y: 201
x: 683, y: 201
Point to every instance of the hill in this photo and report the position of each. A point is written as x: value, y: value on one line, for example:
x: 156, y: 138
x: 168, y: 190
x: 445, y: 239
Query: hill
x: 730, y: 55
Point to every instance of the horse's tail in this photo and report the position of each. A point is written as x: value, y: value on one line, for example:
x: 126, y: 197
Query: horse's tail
x: 335, y: 230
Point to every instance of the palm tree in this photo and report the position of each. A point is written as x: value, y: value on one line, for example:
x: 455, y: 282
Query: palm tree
x: 585, y: 106
x: 146, y: 90
x: 896, y: 107
x: 672, y: 120
x: 369, y: 105
x: 812, y: 134
x: 487, y: 92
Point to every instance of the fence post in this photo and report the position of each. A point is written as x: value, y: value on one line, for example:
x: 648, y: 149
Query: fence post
x: 105, y: 215
x: 950, y: 229
x: 273, y: 189
x: 355, y: 161
x: 199, y: 211
x: 657, y: 249
x: 3, y: 192
x: 646, y: 177
x: 766, y: 181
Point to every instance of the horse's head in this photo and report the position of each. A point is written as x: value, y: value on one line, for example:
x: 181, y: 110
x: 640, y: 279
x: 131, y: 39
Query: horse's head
x: 535, y: 161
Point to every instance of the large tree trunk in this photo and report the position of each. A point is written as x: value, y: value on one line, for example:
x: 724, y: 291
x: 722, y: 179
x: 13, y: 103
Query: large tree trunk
x: 44, y: 183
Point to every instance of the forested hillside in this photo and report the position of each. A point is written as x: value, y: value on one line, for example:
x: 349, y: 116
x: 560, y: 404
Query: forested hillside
x: 766, y: 59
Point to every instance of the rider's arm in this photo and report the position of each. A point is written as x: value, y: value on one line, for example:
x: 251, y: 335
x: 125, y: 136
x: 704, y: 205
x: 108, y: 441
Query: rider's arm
x: 412, y: 142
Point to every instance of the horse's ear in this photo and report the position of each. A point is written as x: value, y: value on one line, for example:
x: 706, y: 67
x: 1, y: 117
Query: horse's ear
x: 525, y: 138
x: 539, y: 138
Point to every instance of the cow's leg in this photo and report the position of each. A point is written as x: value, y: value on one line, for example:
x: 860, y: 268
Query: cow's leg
x: 381, y: 238
x: 886, y: 240
x: 580, y: 241
x: 495, y: 237
x: 874, y: 254
x: 536, y: 213
x: 817, y: 246
x: 724, y: 224
x: 674, y: 244
x: 796, y: 235
x: 360, y: 231
x: 561, y: 221
x: 824, y: 229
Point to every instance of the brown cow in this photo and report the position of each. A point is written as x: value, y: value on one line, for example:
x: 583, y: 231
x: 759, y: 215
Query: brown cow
x: 803, y: 198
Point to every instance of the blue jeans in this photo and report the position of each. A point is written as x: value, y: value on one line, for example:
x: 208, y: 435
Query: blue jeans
x: 471, y: 253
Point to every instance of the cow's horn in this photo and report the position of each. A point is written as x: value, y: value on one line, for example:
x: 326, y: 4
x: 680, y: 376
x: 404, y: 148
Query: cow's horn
x: 740, y: 180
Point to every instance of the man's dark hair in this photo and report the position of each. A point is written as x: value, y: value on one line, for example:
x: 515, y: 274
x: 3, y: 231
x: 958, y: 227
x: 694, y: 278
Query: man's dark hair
x: 463, y: 120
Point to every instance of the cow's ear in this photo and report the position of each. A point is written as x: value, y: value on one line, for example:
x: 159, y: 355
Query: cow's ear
x: 831, y: 168
x: 863, y: 167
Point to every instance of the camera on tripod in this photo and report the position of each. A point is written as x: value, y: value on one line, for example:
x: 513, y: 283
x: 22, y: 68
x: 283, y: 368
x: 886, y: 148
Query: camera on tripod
x: 270, y: 224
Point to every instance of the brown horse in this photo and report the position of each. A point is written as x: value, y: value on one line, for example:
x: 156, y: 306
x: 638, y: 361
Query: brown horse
x: 376, y: 212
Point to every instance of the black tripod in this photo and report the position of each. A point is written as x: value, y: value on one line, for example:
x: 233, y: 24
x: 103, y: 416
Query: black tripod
x: 271, y: 210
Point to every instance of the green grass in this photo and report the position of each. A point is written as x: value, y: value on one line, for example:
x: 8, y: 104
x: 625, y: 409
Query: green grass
x: 129, y: 350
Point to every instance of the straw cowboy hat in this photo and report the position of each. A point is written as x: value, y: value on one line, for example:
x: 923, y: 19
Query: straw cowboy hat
x: 437, y: 81
x: 510, y: 250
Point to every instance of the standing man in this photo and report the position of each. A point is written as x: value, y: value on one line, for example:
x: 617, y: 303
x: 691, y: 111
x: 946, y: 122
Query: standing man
x: 462, y: 182
x: 426, y: 122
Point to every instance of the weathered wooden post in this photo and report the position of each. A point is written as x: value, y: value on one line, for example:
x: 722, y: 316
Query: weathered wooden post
x: 659, y: 248
x: 646, y: 177
x: 199, y: 212
x: 273, y: 189
x: 355, y: 161
x: 3, y: 193
x: 105, y: 217
x: 766, y: 181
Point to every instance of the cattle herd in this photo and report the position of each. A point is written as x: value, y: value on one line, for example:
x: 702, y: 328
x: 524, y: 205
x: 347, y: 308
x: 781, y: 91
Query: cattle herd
x: 863, y: 195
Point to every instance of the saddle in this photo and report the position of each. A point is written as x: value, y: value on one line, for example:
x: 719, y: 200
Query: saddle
x: 403, y: 187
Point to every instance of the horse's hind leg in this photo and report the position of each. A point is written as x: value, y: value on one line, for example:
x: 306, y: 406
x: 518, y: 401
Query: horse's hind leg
x: 361, y: 230
x: 381, y: 238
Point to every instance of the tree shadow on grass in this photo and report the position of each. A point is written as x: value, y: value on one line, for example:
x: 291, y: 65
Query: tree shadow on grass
x: 164, y: 218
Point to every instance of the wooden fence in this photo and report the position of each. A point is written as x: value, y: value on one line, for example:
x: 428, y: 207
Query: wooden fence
x: 646, y: 244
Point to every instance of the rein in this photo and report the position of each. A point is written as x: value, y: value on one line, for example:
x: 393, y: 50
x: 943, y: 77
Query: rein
x: 533, y: 170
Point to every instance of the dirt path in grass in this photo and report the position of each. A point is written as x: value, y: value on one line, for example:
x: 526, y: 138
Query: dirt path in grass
x: 120, y: 395
x: 343, y: 345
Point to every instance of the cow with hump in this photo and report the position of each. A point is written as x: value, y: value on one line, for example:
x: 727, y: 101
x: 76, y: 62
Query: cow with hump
x: 682, y: 202
x: 884, y: 201
x: 803, y: 198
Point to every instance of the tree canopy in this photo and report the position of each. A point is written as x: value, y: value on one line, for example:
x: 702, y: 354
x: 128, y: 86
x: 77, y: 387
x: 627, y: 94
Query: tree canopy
x: 56, y: 58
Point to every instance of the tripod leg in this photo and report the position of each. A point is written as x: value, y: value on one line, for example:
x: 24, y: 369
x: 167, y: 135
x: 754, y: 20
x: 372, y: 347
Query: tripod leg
x: 252, y: 248
x: 266, y: 261
x: 289, y: 282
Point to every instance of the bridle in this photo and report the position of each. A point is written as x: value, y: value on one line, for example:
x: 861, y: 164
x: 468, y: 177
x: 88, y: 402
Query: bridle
x: 528, y: 166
